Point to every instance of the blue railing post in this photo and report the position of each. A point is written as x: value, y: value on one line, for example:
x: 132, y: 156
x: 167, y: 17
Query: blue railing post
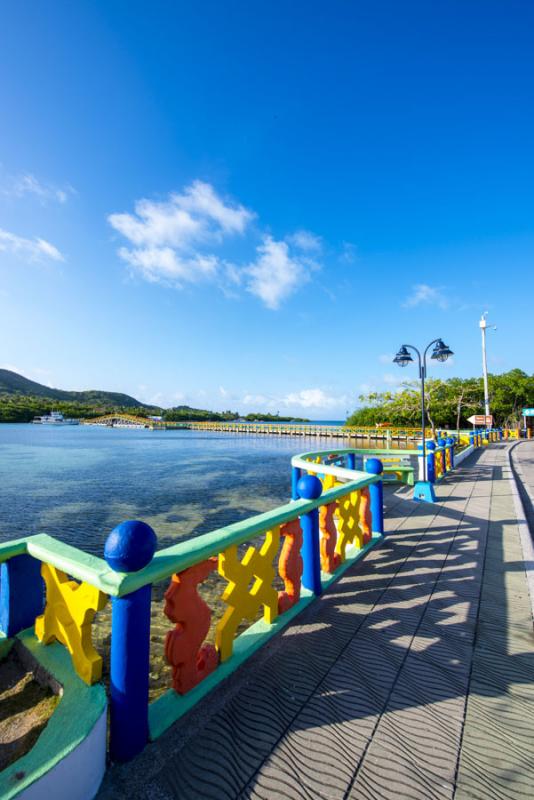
x: 450, y: 445
x: 442, y: 443
x: 129, y: 547
x: 310, y: 488
x: 472, y: 439
x: 351, y: 461
x: 296, y: 473
x: 374, y: 467
x: 21, y: 594
x: 431, y: 462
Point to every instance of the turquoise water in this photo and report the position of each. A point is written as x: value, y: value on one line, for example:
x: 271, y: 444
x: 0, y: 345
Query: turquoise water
x: 76, y: 483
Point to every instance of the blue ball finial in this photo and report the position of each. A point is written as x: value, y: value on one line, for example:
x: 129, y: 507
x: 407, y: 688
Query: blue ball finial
x: 430, y: 445
x: 374, y: 466
x: 449, y: 440
x: 130, y: 546
x: 309, y: 487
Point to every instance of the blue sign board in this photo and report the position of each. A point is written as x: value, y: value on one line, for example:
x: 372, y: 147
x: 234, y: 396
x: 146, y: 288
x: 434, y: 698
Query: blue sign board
x: 528, y: 412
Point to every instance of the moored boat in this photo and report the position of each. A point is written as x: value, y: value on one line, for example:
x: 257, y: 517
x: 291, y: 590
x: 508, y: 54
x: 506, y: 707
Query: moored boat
x: 55, y: 418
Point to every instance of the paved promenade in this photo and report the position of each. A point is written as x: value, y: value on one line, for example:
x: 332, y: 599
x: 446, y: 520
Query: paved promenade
x: 412, y: 677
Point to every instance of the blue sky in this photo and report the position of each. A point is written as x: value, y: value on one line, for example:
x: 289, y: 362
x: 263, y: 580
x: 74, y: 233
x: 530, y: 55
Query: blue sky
x: 252, y: 205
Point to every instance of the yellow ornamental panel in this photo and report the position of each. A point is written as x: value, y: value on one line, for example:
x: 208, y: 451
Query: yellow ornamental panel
x: 329, y: 481
x: 68, y: 617
x: 250, y: 586
x: 348, y: 525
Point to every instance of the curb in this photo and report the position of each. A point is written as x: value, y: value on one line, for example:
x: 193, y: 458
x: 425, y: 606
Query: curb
x: 525, y: 536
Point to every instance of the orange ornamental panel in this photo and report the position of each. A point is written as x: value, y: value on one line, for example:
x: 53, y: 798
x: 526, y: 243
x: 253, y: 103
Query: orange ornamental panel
x: 191, y: 660
x: 290, y: 565
x: 366, y: 520
x: 330, y: 560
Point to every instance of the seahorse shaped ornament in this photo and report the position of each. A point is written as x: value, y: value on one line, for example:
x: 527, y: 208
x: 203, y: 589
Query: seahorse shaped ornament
x: 191, y: 660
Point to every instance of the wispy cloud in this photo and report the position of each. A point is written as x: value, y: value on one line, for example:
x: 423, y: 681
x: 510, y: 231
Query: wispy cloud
x: 29, y: 249
x: 386, y: 358
x: 171, y: 241
x: 28, y: 184
x: 181, y: 240
x: 306, y: 399
x: 349, y: 253
x: 306, y: 240
x: 198, y: 215
x: 423, y: 294
x: 392, y: 380
x: 275, y: 274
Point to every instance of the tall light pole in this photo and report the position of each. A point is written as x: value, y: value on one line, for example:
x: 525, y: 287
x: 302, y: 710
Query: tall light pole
x: 441, y: 352
x: 483, y: 326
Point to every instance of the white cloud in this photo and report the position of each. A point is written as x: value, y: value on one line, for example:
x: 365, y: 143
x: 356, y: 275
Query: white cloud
x: 31, y: 249
x: 305, y: 399
x: 386, y: 358
x: 349, y: 253
x: 33, y: 373
x: 165, y: 265
x: 177, y: 241
x: 392, y: 380
x: 314, y: 398
x: 201, y: 199
x: 423, y: 294
x: 197, y: 216
x: 275, y: 274
x: 306, y: 240
x: 26, y: 183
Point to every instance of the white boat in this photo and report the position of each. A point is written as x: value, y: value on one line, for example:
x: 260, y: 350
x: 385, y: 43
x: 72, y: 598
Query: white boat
x: 55, y: 418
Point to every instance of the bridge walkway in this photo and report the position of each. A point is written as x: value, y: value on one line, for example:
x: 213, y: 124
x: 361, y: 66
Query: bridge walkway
x: 412, y: 677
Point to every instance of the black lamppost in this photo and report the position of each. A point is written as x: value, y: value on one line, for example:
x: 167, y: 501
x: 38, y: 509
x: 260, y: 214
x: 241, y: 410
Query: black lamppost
x: 441, y: 353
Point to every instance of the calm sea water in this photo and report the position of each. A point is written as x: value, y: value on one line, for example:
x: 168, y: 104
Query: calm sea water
x: 76, y: 483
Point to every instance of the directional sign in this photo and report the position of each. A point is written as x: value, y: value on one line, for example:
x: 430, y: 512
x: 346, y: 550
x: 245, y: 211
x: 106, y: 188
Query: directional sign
x: 528, y: 412
x: 481, y: 419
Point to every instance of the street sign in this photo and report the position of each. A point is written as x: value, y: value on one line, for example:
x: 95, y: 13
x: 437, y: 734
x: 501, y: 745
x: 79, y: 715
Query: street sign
x: 482, y: 419
x: 528, y: 412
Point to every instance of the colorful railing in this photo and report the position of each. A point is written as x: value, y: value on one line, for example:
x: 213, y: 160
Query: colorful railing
x: 293, y: 552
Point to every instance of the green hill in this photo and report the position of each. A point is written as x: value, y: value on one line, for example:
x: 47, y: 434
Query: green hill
x: 11, y: 383
x: 22, y: 399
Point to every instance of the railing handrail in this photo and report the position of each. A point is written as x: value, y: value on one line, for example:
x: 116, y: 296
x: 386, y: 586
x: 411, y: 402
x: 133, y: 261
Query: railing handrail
x: 175, y: 558
x: 379, y: 453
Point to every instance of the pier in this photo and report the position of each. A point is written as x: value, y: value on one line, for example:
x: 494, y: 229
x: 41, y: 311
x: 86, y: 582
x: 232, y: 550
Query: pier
x: 369, y: 646
x: 261, y: 428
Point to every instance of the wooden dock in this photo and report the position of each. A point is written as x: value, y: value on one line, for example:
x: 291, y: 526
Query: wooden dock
x: 412, y: 677
x: 260, y: 428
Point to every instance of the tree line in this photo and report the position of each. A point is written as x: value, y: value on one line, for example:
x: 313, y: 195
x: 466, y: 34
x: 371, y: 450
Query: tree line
x: 24, y: 408
x: 449, y: 403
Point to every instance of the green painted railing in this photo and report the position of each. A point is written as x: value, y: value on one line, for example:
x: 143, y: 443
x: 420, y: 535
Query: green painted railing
x: 294, y: 551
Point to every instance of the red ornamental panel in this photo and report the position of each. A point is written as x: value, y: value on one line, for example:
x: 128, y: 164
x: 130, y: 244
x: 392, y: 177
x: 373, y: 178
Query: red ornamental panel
x: 365, y: 515
x: 290, y: 565
x: 330, y: 560
x: 191, y: 660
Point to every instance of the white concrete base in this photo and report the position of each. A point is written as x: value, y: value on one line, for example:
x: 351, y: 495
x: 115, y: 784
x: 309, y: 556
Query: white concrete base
x: 461, y: 456
x: 79, y: 774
